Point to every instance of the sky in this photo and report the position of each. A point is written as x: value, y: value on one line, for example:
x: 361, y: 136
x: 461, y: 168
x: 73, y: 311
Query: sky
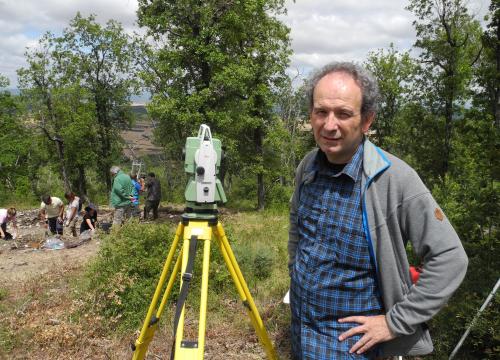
x: 321, y: 30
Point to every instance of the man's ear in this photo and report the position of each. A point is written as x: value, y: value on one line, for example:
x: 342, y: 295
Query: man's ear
x: 367, y: 121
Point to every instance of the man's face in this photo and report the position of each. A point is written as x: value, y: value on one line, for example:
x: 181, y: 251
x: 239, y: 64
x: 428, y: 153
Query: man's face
x: 48, y: 202
x: 336, y: 117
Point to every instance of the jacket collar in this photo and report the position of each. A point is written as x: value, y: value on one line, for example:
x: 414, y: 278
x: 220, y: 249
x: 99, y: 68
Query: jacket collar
x: 374, y: 162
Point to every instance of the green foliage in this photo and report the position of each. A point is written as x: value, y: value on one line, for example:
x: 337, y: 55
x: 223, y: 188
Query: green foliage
x: 470, y: 197
x: 16, y: 147
x: 395, y: 73
x: 217, y: 63
x: 487, y: 72
x: 278, y: 196
x: 77, y: 87
x: 120, y: 283
x: 103, y: 60
x: 443, y: 121
x: 448, y: 38
x: 122, y: 279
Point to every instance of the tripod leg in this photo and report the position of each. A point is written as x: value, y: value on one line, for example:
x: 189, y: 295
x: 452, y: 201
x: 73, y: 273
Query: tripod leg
x: 185, y: 349
x: 243, y: 291
x: 151, y: 322
x: 204, y: 295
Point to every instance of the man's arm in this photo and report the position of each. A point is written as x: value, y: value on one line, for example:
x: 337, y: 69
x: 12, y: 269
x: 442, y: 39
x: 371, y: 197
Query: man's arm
x: 444, y: 264
x: 71, y: 215
x: 89, y: 223
x: 61, y: 213
x: 122, y: 187
x: 14, y: 225
x: 293, y: 233
x: 41, y: 214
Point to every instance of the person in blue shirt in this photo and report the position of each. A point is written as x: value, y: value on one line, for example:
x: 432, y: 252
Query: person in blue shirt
x: 354, y: 209
x: 137, y: 190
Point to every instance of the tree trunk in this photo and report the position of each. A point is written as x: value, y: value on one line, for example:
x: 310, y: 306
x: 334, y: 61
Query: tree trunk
x: 260, y: 192
x: 56, y: 138
x: 105, y: 141
x: 497, y: 86
x: 82, y: 183
x: 60, y: 153
x: 258, y: 141
x: 447, y: 134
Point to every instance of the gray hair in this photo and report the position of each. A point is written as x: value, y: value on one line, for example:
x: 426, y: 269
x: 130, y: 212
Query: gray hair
x: 114, y: 169
x: 365, y: 80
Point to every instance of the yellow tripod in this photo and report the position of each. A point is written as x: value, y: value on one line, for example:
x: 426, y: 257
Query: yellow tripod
x: 193, y: 231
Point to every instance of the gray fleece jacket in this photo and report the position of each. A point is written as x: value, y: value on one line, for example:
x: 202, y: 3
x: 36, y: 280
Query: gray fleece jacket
x: 397, y: 208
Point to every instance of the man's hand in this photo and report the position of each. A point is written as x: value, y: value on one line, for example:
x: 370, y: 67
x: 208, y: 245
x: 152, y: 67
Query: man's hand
x: 374, y: 328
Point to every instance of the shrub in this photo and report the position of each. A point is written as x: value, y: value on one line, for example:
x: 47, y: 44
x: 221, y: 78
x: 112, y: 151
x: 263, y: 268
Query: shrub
x: 122, y: 279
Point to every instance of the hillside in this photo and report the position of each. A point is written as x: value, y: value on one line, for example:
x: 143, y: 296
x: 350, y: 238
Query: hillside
x: 139, y: 139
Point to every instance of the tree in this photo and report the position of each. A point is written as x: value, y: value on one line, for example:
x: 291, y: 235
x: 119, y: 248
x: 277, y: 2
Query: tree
x: 291, y: 137
x: 40, y: 84
x: 395, y: 73
x: 448, y: 38
x: 102, y: 59
x: 15, y: 146
x: 219, y: 63
x: 78, y: 86
x: 488, y: 69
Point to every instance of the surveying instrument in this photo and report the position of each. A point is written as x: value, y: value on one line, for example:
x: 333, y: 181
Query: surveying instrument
x: 199, y: 224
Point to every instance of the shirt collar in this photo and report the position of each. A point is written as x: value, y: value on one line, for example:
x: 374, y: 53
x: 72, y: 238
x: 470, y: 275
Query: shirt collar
x: 351, y: 169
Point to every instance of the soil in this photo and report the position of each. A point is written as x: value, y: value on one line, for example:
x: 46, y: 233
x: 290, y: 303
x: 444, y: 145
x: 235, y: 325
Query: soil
x: 38, y: 281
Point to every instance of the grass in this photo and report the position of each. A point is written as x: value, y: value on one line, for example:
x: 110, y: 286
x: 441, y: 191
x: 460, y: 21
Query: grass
x: 108, y: 299
x: 125, y: 274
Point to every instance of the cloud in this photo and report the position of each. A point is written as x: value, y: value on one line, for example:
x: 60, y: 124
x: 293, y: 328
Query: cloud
x: 321, y: 30
x: 23, y: 22
x: 345, y: 29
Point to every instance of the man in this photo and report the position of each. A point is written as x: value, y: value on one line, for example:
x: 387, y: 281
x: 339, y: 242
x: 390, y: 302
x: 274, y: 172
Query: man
x: 72, y: 211
x: 7, y: 215
x: 353, y: 210
x: 121, y: 195
x: 52, y: 213
x: 154, y: 196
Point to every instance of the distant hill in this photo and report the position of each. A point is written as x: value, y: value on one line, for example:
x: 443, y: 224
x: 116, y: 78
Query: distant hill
x: 139, y: 109
x: 141, y: 99
x: 139, y: 139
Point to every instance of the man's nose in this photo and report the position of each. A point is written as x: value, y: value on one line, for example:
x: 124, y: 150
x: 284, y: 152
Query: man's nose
x: 331, y: 122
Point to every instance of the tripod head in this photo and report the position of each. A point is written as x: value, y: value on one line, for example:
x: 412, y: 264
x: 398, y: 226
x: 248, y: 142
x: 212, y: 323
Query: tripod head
x: 202, y: 162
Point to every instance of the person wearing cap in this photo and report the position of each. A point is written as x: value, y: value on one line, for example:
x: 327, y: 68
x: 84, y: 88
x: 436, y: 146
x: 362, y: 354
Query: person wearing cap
x: 121, y: 196
x: 89, y: 219
x: 7, y: 215
x: 52, y: 213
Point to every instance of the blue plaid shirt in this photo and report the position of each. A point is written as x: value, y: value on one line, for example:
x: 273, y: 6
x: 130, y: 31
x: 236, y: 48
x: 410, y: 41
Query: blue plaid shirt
x: 333, y: 274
